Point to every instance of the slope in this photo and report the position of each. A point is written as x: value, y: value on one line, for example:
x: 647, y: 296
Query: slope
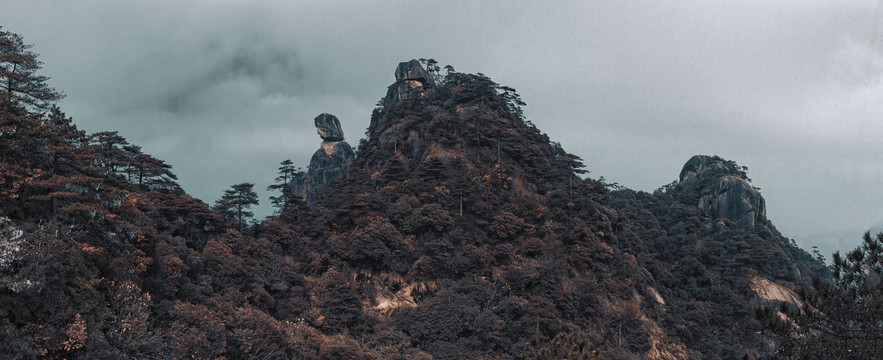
x: 458, y: 231
x: 455, y: 198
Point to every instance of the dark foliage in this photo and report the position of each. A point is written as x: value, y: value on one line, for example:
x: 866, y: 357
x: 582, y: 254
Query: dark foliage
x: 234, y: 205
x: 840, y: 318
x: 460, y: 231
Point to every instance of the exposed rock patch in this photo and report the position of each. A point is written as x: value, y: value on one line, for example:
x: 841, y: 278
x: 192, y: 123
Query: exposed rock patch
x: 767, y: 292
x: 656, y: 295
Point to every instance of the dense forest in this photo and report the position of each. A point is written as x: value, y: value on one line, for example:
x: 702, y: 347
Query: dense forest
x: 459, y: 230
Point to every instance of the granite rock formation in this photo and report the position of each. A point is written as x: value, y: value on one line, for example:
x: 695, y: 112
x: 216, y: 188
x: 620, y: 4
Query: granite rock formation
x: 328, y: 127
x: 412, y: 82
x: 724, y: 191
x: 330, y: 162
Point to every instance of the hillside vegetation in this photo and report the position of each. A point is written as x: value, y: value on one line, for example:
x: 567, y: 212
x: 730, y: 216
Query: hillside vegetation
x: 458, y: 231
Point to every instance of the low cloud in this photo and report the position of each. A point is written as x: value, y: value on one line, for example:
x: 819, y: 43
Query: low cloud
x: 225, y: 90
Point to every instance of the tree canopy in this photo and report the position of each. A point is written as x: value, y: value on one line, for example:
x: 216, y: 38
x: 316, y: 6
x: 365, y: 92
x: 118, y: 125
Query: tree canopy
x: 288, y: 174
x: 19, y: 81
x: 236, y: 202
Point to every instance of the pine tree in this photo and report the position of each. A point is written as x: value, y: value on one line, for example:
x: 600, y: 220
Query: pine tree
x: 109, y: 146
x: 19, y: 82
x: 145, y: 170
x: 18, y: 167
x: 235, y: 203
x: 69, y: 178
x: 288, y: 174
x: 841, y: 318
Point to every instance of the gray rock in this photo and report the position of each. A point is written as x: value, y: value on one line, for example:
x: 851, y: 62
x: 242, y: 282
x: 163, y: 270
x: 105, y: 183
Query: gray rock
x: 330, y: 162
x: 720, y: 228
x: 328, y: 127
x: 412, y: 82
x: 725, y: 191
x: 412, y: 70
x: 702, y: 167
x: 397, y: 132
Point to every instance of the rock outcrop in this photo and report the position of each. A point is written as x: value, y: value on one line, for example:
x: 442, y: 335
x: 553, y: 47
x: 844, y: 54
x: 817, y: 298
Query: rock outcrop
x: 724, y: 191
x: 330, y: 162
x: 412, y: 82
x: 328, y: 127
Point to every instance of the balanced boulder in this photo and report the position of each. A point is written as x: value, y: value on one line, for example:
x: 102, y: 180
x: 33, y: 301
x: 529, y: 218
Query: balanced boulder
x: 330, y: 162
x: 328, y: 127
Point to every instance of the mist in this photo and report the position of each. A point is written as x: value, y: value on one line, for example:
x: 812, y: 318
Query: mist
x: 224, y: 90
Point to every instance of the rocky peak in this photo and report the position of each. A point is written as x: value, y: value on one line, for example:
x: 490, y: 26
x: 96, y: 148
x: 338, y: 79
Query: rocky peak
x: 701, y: 167
x: 412, y: 82
x: 412, y: 70
x: 328, y: 127
x: 329, y: 162
x: 724, y: 191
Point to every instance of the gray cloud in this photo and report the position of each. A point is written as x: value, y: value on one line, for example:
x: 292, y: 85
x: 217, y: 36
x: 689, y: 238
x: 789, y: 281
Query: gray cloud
x: 274, y: 70
x: 225, y: 90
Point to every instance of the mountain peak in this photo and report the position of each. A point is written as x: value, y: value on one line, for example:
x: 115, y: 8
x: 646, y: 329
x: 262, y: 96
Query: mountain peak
x: 412, y: 70
x: 412, y: 82
x: 724, y: 190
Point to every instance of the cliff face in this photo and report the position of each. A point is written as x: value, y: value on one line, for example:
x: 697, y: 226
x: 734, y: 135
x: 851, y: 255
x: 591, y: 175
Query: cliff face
x: 330, y: 162
x: 412, y: 82
x: 725, y: 193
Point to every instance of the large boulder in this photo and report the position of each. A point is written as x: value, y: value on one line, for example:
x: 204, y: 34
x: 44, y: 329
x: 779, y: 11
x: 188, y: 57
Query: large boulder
x: 330, y: 162
x: 412, y: 82
x: 724, y: 191
x: 701, y: 167
x: 328, y: 127
x: 412, y: 70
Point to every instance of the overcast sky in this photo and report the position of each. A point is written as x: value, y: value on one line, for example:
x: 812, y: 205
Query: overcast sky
x: 225, y: 90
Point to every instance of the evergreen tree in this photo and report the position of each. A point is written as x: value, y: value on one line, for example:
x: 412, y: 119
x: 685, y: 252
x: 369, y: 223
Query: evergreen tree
x: 19, y: 82
x: 16, y: 143
x: 513, y: 101
x: 109, y: 146
x: 841, y: 318
x: 288, y: 174
x: 235, y: 203
x: 145, y: 170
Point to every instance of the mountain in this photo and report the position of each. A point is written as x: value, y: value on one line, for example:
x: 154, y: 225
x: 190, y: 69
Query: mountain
x: 455, y: 198
x: 456, y: 229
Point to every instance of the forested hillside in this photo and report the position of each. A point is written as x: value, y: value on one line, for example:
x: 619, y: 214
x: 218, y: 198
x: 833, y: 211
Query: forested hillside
x: 458, y: 230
